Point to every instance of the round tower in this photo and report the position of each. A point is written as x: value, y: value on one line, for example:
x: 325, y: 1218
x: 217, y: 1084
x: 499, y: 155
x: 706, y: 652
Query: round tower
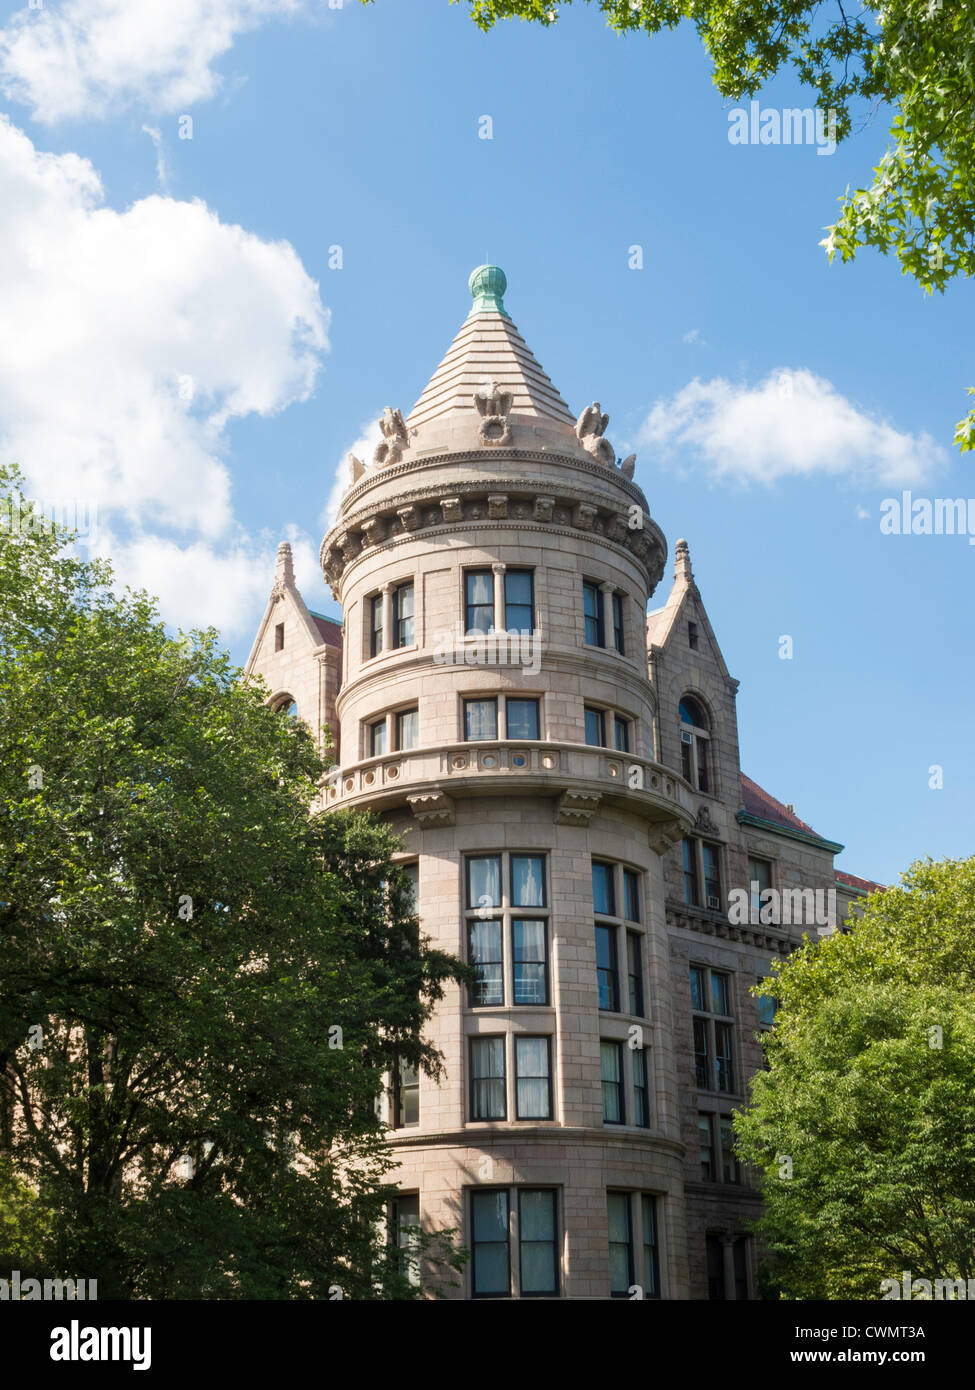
x: 493, y: 561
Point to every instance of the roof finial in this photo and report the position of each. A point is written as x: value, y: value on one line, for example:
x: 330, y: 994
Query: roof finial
x: 487, y: 284
x: 682, y: 562
x: 284, y: 570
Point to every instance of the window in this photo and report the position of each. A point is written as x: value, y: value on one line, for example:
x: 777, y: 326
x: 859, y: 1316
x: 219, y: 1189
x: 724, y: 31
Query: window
x: 403, y: 616
x: 490, y: 1272
x: 407, y: 729
x: 514, y: 928
x: 766, y: 1008
x: 603, y: 897
x: 694, y: 739
x: 606, y: 971
x: 634, y: 973
x: 620, y: 1244
x: 759, y: 882
x: 692, y: 636
x: 287, y: 706
x: 404, y: 1228
x: 618, y: 639
x: 485, y: 954
x: 521, y: 717
x: 537, y: 1246
x: 712, y: 875
x: 718, y: 1290
x: 405, y: 1105
x: 519, y: 601
x: 533, y: 1085
x: 532, y: 1212
x: 480, y: 719
x: 641, y: 1089
x: 595, y: 733
x: 377, y: 738
x: 621, y: 730
x: 375, y: 624
x: 479, y: 601
x: 651, y: 1247
x: 487, y: 1079
x: 726, y: 1141
x: 279, y: 637
x: 692, y: 893
x: 611, y: 1074
x: 631, y: 896
x: 592, y: 608
x: 713, y: 1029
x: 412, y: 872
x: 717, y: 1137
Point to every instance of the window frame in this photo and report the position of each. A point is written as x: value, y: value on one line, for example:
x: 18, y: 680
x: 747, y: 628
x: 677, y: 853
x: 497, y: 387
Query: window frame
x: 546, y: 1076
x: 510, y: 914
x: 469, y: 574
x: 519, y: 570
x: 397, y: 619
x: 619, y: 1084
x: 474, y: 1039
x: 706, y: 1021
x: 590, y: 586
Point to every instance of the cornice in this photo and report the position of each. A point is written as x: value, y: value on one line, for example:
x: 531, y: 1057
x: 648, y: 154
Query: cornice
x: 774, y: 828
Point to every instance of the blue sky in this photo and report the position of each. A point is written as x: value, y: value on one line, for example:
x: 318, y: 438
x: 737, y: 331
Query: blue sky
x: 821, y: 390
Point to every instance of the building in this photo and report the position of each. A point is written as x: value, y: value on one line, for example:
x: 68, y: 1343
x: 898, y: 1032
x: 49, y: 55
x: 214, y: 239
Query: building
x: 564, y: 772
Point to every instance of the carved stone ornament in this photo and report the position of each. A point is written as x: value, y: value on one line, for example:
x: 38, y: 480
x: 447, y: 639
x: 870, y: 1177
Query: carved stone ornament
x: 493, y: 406
x: 432, y: 808
x: 704, y: 821
x: 628, y: 466
x: 394, y: 441
x: 590, y: 428
x: 576, y: 808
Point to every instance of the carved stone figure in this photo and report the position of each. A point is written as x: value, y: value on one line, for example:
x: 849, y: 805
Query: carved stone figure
x: 493, y: 405
x: 590, y: 427
x: 394, y: 441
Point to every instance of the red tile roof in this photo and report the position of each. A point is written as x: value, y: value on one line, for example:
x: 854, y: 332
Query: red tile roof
x: 863, y: 885
x: 329, y: 629
x: 758, y: 802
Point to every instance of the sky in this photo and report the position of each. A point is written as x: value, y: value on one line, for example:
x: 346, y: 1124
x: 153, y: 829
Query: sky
x: 232, y: 231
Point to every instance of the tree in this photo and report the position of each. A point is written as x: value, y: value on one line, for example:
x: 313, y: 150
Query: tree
x: 864, y: 1124
x: 917, y: 56
x: 201, y: 981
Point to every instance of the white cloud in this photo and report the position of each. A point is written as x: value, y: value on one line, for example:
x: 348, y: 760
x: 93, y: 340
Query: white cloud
x: 87, y: 58
x: 128, y: 342
x: 693, y: 335
x: 792, y: 423
x: 364, y: 447
x: 162, y: 164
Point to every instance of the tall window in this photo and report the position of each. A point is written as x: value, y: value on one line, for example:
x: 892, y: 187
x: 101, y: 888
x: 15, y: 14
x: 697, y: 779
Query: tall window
x: 620, y: 1244
x: 404, y: 1230
x: 692, y: 893
x: 507, y: 920
x: 618, y: 637
x: 641, y: 1088
x: 523, y: 1222
x: 718, y: 1290
x: 407, y: 729
x: 712, y: 875
x: 717, y: 1148
x: 611, y: 1073
x: 634, y: 1251
x: 480, y: 719
x: 405, y: 1099
x: 766, y: 1008
x: 592, y: 608
x: 613, y: 887
x: 713, y: 1029
x: 595, y: 727
x: 487, y: 1079
x: 279, y: 637
x: 694, y: 741
x: 377, y: 738
x: 521, y: 718
x: 701, y: 860
x: 375, y: 624
x: 634, y: 972
x: 607, y: 972
x: 651, y: 1247
x: 621, y: 731
x: 403, y: 616
x: 479, y: 601
x: 519, y: 601
x: 533, y: 1079
x: 759, y: 881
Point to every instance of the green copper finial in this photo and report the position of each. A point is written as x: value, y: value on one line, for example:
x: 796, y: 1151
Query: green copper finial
x: 487, y: 284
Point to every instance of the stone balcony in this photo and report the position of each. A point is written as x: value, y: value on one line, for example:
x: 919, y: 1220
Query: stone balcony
x: 578, y: 777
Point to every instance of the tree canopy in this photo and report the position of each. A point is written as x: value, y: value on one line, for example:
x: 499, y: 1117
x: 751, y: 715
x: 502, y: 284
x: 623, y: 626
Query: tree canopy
x: 915, y: 56
x: 864, y: 1124
x: 202, y: 981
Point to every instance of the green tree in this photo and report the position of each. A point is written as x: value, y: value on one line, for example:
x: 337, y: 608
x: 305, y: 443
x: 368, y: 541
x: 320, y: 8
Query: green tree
x: 201, y: 981
x: 864, y: 1124
x: 916, y: 56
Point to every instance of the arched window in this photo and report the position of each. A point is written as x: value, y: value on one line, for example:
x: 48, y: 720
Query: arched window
x: 286, y: 705
x: 695, y: 762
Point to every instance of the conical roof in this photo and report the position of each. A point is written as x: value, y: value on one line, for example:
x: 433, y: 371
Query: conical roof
x: 489, y: 348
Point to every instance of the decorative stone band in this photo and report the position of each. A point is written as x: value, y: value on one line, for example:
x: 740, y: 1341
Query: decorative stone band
x: 492, y: 502
x: 716, y: 924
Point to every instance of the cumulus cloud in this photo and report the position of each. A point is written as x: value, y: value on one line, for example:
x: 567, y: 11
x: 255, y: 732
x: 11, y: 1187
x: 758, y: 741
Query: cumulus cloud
x: 87, y: 58
x: 370, y: 435
x: 792, y: 423
x: 128, y: 343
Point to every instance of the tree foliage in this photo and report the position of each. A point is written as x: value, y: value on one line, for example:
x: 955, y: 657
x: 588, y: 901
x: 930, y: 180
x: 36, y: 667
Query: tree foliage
x: 864, y: 1125
x: 915, y: 56
x: 201, y: 982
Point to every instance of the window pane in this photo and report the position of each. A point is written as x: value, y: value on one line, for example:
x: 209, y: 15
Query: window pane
x: 489, y: 1222
x: 611, y: 1072
x: 408, y: 1096
x: 480, y: 600
x: 620, y: 1248
x: 403, y: 615
x: 518, y: 601
x: 412, y: 872
x: 485, y: 955
x: 634, y: 973
x: 689, y: 854
x: 719, y: 993
x: 712, y: 875
x: 701, y: 1053
x: 729, y: 1164
x: 522, y: 716
x: 536, y: 1220
x: 618, y: 623
x: 606, y: 973
x: 480, y: 719
x: 603, y: 897
x: 698, y: 995
x: 651, y: 1262
x: 701, y: 748
x: 487, y: 1079
x: 766, y: 1009
x: 531, y: 976
x: 723, y: 1070
x: 594, y: 727
x: 407, y: 729
x: 641, y: 1090
x: 622, y: 730
x: 484, y: 881
x: 705, y: 1147
x: 527, y: 880
x: 692, y: 713
x: 377, y: 739
x: 376, y: 625
x: 532, y: 1073
x: 631, y: 896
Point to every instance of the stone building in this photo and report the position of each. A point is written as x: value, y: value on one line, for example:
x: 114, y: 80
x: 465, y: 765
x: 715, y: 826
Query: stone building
x: 564, y: 772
